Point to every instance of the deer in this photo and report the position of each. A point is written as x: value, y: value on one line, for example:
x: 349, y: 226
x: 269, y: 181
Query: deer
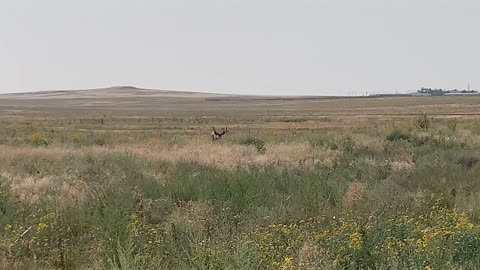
x: 218, y: 135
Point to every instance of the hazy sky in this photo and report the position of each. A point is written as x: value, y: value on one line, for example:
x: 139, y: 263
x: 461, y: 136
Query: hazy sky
x: 318, y: 47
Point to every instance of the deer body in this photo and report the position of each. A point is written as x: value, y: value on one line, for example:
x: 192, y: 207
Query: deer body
x: 218, y: 135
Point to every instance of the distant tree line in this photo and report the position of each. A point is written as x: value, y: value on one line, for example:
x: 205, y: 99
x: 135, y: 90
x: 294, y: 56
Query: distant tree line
x: 441, y: 92
x: 432, y: 92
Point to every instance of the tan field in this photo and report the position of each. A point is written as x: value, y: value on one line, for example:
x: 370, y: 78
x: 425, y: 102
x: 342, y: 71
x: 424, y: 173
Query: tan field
x: 130, y: 101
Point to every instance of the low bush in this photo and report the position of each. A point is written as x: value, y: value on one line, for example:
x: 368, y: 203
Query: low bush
x: 348, y: 145
x: 256, y: 142
x: 95, y: 139
x: 398, y: 135
x: 89, y: 139
x: 468, y: 160
x: 323, y: 141
x: 7, y: 212
x: 295, y: 120
x: 37, y: 139
x: 422, y: 122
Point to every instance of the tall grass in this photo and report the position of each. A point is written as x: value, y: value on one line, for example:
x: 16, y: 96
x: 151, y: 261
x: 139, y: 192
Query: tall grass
x: 390, y: 199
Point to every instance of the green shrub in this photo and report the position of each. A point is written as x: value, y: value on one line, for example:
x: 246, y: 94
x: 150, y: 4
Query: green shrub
x: 436, y: 140
x: 95, y: 139
x: 468, y: 160
x: 76, y: 138
x: 258, y: 143
x: 398, y: 135
x: 37, y: 139
x: 89, y: 139
x: 422, y: 122
x: 7, y: 211
x: 98, y: 140
x: 348, y: 145
x: 295, y: 120
x: 452, y: 126
x: 323, y: 141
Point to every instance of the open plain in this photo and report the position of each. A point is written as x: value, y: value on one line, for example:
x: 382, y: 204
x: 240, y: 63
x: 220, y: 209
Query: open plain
x: 129, y: 178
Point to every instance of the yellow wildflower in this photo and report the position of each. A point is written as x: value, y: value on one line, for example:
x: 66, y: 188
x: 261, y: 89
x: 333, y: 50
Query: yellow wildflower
x: 421, y: 243
x: 42, y: 226
x: 356, y: 241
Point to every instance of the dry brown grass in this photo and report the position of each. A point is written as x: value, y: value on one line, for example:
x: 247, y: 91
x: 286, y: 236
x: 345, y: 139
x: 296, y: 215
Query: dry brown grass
x: 196, y: 214
x: 31, y: 189
x: 468, y: 136
x: 354, y: 194
x: 369, y: 142
x: 222, y: 156
x: 401, y: 166
x: 402, y: 162
x: 227, y: 156
x: 12, y: 154
x: 309, y: 254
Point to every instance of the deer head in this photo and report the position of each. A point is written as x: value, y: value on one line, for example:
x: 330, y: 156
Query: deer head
x: 224, y: 130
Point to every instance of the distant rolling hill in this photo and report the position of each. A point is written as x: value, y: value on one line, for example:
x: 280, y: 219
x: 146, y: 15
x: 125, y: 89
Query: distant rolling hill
x: 110, y: 92
x: 129, y: 98
x: 120, y: 98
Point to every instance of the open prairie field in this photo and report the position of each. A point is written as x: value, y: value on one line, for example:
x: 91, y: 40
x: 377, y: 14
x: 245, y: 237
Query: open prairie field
x: 128, y: 178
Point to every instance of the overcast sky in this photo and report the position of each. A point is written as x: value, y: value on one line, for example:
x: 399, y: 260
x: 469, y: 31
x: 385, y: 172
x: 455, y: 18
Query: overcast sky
x: 316, y: 47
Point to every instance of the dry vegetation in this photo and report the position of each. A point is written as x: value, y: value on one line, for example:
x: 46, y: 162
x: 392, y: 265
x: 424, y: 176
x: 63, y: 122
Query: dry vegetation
x: 129, y: 179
